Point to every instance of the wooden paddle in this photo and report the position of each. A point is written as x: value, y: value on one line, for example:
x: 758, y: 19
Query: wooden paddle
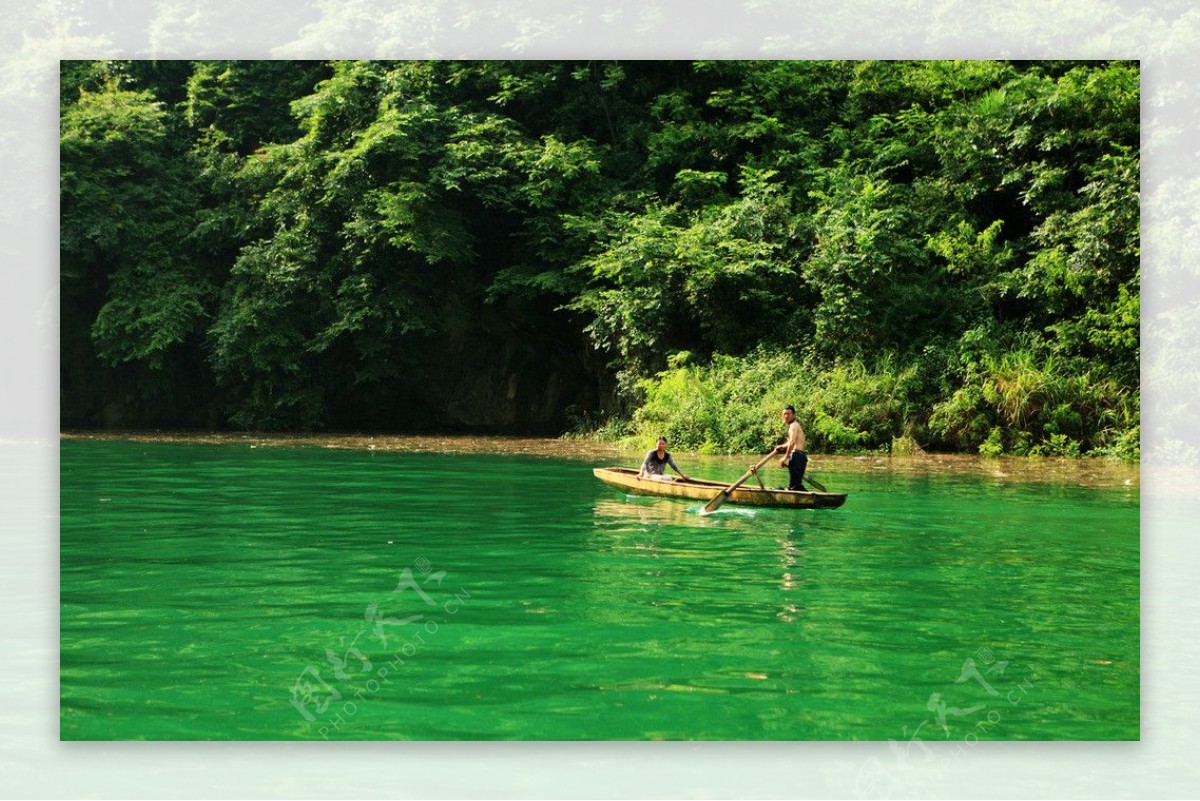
x: 724, y: 494
x: 817, y: 485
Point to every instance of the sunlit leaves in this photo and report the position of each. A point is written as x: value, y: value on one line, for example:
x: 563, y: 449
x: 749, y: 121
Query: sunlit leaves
x: 868, y: 266
x: 311, y: 231
x: 125, y: 200
x: 671, y: 270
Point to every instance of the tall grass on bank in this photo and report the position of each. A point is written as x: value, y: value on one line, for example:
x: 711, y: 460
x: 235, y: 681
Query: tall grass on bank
x: 1016, y: 403
x: 1013, y: 403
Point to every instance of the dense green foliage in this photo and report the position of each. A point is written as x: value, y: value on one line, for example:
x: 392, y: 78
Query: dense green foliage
x: 932, y: 254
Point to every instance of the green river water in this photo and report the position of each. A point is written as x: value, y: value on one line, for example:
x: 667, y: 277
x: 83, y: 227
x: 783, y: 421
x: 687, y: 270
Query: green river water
x: 227, y: 591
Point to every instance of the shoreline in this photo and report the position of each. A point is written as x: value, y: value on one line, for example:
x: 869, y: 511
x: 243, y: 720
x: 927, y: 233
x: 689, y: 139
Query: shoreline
x: 1086, y: 472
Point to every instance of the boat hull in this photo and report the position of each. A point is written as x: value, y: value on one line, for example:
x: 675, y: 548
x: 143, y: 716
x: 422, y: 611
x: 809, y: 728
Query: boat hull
x: 700, y: 490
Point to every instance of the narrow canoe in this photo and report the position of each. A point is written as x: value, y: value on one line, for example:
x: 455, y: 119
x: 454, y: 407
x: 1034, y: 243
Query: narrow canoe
x: 701, y: 490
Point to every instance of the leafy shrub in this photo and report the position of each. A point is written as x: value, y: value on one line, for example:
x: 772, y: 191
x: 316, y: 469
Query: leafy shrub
x: 1039, y: 406
x: 992, y: 446
x: 1014, y: 403
x: 732, y: 404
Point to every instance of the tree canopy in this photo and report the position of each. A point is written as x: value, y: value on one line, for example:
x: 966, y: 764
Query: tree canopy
x: 941, y: 253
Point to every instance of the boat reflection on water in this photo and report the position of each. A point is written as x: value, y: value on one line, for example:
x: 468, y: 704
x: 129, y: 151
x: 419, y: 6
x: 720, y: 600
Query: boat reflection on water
x: 674, y: 530
x: 642, y: 510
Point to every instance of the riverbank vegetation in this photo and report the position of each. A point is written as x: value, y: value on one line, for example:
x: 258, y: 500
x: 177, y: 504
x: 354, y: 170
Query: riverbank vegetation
x: 918, y: 255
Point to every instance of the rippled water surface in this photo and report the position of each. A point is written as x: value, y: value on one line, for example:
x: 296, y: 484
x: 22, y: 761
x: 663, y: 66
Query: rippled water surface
x: 227, y: 591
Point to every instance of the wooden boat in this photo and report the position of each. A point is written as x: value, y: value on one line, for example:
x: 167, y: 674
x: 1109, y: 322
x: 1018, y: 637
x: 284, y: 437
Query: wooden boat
x: 700, y: 490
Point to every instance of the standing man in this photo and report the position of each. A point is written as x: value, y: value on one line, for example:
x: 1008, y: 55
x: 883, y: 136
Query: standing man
x: 794, y: 457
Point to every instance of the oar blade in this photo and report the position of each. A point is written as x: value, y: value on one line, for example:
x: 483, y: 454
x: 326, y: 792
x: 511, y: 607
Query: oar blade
x: 715, y: 503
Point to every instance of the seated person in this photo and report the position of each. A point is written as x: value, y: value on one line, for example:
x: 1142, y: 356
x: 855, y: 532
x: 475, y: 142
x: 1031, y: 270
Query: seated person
x: 655, y: 462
